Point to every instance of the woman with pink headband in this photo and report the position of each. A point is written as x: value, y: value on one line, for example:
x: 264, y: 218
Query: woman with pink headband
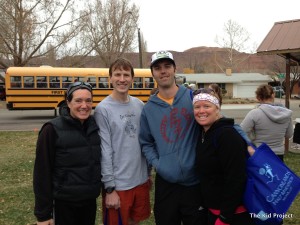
x: 220, y: 161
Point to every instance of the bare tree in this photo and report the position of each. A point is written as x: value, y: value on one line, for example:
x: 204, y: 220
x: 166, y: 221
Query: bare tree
x: 234, y: 42
x: 111, y: 27
x: 32, y: 29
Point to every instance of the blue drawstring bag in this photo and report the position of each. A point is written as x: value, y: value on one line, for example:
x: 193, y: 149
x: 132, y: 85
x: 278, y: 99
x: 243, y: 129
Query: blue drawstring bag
x: 271, y: 187
x: 106, y: 218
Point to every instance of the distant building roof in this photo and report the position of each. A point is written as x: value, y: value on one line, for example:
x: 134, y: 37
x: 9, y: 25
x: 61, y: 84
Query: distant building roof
x: 283, y: 39
x: 223, y: 78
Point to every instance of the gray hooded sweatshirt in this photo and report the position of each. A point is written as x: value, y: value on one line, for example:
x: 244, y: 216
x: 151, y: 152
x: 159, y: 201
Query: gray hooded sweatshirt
x: 269, y: 123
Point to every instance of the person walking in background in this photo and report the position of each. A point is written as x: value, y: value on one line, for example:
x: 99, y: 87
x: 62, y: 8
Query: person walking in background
x: 268, y: 122
x: 167, y: 136
x: 67, y: 178
x: 124, y: 168
x: 221, y: 162
x: 296, y: 135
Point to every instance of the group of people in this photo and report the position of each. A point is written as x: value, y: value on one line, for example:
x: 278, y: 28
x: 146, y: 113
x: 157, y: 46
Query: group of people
x: 198, y: 154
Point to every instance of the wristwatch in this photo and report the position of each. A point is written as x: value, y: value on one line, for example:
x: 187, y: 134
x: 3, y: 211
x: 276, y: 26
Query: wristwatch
x: 109, y: 190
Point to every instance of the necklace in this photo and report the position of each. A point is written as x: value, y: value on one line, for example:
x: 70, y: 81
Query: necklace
x: 203, y: 136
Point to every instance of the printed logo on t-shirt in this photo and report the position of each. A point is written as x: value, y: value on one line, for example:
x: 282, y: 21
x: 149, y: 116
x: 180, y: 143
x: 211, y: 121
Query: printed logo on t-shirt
x: 130, y: 127
x: 173, y: 127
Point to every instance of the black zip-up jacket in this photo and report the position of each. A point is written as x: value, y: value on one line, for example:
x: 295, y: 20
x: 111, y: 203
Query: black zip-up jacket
x: 221, y: 163
x: 67, y: 165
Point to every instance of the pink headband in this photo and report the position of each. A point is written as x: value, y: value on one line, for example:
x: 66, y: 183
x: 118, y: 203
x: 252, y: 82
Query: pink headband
x: 206, y: 97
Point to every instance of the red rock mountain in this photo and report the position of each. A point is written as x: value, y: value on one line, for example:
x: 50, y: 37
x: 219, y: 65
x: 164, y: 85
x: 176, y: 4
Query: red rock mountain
x: 211, y: 60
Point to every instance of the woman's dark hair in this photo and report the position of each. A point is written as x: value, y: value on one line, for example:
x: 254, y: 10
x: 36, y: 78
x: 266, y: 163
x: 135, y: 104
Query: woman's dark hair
x: 75, y: 86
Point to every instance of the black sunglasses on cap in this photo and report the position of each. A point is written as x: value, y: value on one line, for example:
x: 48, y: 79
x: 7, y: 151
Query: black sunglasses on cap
x: 203, y: 90
x: 78, y: 85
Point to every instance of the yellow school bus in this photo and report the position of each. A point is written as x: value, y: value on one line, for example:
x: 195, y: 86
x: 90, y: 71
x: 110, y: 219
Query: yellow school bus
x: 36, y: 88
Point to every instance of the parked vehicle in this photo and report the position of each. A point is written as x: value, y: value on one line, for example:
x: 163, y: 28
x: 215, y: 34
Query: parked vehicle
x: 2, y: 93
x: 279, y: 92
x: 37, y: 88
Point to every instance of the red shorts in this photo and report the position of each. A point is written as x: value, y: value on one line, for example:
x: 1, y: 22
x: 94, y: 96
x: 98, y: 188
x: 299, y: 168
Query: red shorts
x: 135, y: 205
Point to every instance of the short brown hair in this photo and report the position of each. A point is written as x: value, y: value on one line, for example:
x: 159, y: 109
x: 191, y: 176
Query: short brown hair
x: 216, y: 88
x: 121, y: 63
x: 264, y: 91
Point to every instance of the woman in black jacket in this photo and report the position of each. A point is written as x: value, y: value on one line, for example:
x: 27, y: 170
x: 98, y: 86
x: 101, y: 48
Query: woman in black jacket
x: 67, y: 176
x: 221, y: 162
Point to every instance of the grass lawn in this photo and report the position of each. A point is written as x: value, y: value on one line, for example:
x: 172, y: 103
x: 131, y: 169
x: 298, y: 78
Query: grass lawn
x: 17, y: 153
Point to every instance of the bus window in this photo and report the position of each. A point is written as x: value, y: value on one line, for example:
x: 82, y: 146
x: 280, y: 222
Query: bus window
x: 28, y: 82
x: 41, y: 82
x: 66, y: 81
x: 81, y: 79
x: 15, y: 82
x: 149, y: 83
x: 92, y: 81
x: 103, y: 82
x: 137, y: 82
x: 54, y: 82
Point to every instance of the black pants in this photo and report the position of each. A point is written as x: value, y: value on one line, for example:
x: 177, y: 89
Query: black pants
x: 176, y: 203
x: 75, y: 213
x: 281, y: 157
x: 238, y: 219
x: 296, y: 136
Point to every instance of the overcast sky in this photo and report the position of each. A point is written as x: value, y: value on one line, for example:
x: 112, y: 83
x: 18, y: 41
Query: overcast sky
x: 182, y: 24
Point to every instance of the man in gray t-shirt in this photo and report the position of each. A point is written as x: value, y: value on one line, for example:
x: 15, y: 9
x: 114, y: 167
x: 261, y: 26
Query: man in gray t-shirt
x: 123, y: 167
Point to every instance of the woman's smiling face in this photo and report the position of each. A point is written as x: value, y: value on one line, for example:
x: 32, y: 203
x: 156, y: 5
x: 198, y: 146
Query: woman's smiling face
x: 81, y: 104
x: 206, y: 113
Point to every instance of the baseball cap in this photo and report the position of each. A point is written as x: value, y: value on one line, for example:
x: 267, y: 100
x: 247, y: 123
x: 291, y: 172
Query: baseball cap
x: 161, y: 55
